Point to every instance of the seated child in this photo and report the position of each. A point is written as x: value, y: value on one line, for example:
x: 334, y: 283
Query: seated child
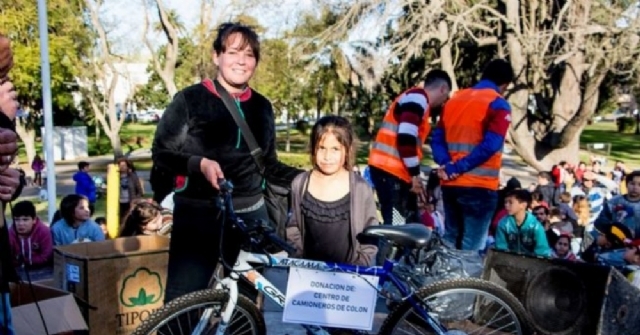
x: 608, y: 237
x: 562, y: 248
x: 144, y: 218
x: 520, y: 231
x: 430, y: 217
x: 76, y: 225
x: 30, y: 239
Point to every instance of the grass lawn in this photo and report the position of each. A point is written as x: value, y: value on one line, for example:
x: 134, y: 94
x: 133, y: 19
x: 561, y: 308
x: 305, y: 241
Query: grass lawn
x: 624, y: 147
x: 141, y: 164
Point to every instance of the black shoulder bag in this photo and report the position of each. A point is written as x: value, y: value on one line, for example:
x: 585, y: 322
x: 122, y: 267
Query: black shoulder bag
x: 276, y: 198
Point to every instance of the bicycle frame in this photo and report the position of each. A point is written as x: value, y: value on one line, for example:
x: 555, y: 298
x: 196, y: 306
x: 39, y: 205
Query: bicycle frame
x: 242, y: 266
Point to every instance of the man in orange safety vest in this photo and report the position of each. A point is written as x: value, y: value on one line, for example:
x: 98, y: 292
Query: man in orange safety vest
x: 467, y: 143
x: 394, y: 159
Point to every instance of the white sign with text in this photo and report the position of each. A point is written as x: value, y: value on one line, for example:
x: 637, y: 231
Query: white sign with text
x: 330, y: 299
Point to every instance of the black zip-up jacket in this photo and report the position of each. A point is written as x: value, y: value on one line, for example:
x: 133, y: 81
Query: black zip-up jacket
x: 197, y: 124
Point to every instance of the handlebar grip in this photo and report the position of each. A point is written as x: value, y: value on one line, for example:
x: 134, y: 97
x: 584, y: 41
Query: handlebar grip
x: 273, y: 237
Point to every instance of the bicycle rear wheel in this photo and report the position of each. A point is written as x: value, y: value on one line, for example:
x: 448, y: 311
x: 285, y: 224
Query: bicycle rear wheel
x: 445, y: 301
x: 183, y: 314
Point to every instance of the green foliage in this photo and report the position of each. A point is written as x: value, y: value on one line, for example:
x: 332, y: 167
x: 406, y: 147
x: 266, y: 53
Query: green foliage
x: 69, y: 42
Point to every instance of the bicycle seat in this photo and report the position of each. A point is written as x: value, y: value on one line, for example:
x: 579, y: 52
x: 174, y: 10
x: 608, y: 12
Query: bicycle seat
x: 414, y: 235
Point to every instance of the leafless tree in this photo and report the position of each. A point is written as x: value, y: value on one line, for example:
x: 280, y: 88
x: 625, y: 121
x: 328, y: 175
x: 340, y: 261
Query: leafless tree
x: 164, y: 65
x: 100, y: 78
x: 561, y: 52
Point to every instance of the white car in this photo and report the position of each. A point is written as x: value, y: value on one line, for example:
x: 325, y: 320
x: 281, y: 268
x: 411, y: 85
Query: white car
x: 148, y: 117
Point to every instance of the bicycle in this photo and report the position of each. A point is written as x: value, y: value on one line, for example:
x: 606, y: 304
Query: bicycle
x: 221, y: 310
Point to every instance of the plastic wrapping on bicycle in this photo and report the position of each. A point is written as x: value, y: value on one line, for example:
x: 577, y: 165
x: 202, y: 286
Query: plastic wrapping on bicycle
x: 257, y: 230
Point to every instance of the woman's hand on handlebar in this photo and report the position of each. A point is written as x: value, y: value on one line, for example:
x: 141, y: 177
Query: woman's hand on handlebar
x: 212, y: 171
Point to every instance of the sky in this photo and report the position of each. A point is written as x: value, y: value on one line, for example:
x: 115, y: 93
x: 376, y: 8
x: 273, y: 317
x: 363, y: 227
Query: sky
x: 126, y: 17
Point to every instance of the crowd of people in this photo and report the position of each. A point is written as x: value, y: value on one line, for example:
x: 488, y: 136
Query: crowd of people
x: 32, y: 241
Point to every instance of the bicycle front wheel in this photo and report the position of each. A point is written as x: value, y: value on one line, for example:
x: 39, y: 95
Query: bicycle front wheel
x: 184, y: 315
x: 462, y: 306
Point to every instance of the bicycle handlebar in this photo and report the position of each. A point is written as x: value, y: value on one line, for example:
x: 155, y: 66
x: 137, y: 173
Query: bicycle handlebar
x: 263, y: 228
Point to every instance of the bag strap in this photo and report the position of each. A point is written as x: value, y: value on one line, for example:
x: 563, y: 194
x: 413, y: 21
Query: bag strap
x: 247, y: 134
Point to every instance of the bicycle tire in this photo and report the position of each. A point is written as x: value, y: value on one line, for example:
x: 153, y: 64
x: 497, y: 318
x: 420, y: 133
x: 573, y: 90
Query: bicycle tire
x: 462, y: 283
x: 188, y: 301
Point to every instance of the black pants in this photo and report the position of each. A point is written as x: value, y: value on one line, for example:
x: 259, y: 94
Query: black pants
x: 196, y: 244
x: 398, y: 204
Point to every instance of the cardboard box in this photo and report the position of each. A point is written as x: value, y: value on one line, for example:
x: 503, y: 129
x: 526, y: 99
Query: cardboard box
x: 123, y: 278
x: 59, y: 310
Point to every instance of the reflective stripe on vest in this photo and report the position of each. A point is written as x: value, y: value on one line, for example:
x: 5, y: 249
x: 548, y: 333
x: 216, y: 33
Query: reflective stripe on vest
x: 384, y: 153
x: 463, y: 118
x: 478, y: 171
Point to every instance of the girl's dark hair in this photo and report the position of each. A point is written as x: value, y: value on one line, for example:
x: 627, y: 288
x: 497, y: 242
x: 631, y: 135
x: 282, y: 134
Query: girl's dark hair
x: 24, y: 208
x: 56, y: 218
x: 101, y: 220
x: 68, y: 207
x: 248, y: 35
x: 129, y: 163
x: 342, y: 130
x: 142, y: 212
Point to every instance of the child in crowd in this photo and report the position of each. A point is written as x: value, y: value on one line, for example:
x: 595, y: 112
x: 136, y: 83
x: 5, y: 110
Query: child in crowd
x: 537, y: 199
x: 562, y: 248
x: 520, y: 231
x: 564, y: 204
x: 331, y: 204
x: 558, y: 223
x: 30, y: 239
x: 546, y: 188
x: 608, y: 237
x: 76, y: 225
x: 624, y: 208
x: 430, y: 217
x: 144, y: 218
x: 102, y: 222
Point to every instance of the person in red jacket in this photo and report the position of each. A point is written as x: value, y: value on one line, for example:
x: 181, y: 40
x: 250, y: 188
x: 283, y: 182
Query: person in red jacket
x: 30, y: 239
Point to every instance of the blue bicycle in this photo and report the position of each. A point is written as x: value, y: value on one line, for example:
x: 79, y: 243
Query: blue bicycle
x: 442, y: 308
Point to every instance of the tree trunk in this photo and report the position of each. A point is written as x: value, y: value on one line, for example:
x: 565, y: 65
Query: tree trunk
x: 116, y: 145
x: 287, y: 147
x: 446, y: 56
x: 164, y: 65
x: 28, y: 136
